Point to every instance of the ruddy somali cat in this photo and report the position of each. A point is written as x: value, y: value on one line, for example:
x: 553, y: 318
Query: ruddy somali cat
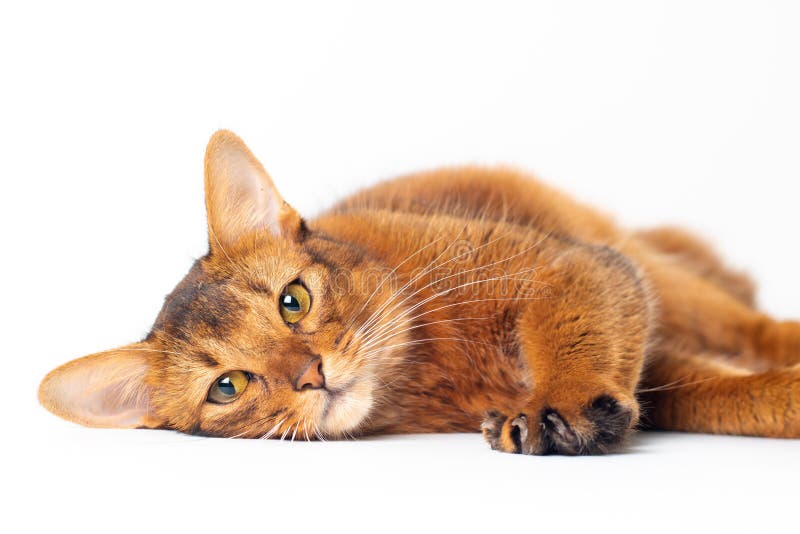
x: 446, y: 301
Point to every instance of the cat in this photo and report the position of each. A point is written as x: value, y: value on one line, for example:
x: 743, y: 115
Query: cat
x: 458, y: 300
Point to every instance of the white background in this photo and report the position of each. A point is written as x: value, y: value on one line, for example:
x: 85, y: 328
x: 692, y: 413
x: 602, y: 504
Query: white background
x: 682, y: 112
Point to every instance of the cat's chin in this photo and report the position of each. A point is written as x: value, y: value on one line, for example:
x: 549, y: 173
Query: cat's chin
x: 347, y: 407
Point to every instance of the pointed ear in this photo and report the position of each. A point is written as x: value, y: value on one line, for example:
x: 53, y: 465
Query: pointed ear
x: 240, y: 195
x: 106, y: 389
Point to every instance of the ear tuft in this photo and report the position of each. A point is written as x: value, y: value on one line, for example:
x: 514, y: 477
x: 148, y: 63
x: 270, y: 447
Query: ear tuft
x: 106, y: 389
x: 240, y: 196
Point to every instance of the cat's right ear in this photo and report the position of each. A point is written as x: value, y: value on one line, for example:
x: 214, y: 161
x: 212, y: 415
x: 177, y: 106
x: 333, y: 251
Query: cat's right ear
x: 107, y: 389
x: 241, y: 197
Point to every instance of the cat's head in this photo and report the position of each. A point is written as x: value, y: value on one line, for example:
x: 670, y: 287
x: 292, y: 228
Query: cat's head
x: 272, y: 332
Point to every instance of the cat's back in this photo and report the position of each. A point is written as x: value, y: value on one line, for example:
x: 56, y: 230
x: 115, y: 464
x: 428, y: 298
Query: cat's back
x: 486, y: 193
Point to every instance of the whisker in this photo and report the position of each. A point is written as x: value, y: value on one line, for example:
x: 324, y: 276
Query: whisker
x: 394, y: 295
x: 392, y: 334
x: 274, y: 429
x: 379, y: 349
x: 450, y: 290
x: 426, y: 340
x: 286, y: 432
x: 461, y: 273
x: 675, y: 385
x: 402, y: 319
x: 388, y: 276
x: 465, y: 302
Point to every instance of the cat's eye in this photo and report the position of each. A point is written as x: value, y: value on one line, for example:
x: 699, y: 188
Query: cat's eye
x: 295, y: 302
x: 228, y: 387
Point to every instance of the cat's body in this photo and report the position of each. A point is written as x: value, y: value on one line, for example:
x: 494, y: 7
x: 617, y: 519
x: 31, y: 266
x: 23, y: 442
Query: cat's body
x: 447, y: 301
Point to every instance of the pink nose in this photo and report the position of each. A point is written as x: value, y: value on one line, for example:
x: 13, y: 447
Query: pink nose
x: 311, y: 377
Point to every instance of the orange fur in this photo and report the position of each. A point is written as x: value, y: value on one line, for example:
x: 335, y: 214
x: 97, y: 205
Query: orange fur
x: 452, y: 300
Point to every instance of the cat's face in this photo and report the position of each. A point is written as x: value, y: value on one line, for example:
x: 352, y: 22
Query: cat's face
x: 270, y: 334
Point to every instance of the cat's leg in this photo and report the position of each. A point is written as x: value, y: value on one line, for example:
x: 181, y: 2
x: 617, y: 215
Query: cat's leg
x: 703, y: 393
x: 701, y: 317
x: 701, y: 258
x: 777, y: 342
x: 584, y: 346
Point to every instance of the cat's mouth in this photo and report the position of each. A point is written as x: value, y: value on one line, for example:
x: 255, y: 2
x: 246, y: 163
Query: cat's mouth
x: 338, y: 391
x: 336, y: 395
x: 346, y: 406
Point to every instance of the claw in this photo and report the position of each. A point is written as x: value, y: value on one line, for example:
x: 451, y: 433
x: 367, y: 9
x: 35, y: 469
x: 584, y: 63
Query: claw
x: 491, y: 427
x: 520, y: 434
x: 562, y: 439
x: 602, y: 424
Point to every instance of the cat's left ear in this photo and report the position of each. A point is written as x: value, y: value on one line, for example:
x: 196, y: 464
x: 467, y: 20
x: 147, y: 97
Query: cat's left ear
x: 107, y: 389
x: 241, y: 197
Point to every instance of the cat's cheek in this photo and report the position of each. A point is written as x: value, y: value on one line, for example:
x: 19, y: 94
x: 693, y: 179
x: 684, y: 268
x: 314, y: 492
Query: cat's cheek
x: 347, y: 411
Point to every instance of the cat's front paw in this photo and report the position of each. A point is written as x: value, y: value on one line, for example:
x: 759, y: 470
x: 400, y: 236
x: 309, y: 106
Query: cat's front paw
x: 594, y: 428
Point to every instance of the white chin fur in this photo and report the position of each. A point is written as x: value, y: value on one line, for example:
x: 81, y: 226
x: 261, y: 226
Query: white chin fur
x: 348, y: 409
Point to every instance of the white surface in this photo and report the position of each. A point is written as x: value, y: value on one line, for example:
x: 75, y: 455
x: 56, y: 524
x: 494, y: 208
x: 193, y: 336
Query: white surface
x: 658, y: 111
x: 151, y: 480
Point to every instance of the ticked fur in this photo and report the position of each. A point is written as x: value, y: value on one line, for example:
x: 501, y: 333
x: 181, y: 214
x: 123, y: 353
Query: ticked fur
x: 462, y: 299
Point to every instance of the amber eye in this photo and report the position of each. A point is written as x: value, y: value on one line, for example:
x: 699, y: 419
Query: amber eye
x: 228, y: 387
x: 294, y: 303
